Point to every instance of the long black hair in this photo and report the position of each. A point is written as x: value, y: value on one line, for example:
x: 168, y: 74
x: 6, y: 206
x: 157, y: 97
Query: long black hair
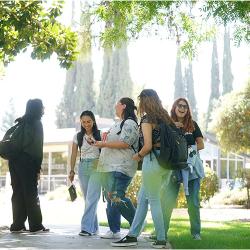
x: 95, y: 131
x: 129, y: 111
x: 34, y: 111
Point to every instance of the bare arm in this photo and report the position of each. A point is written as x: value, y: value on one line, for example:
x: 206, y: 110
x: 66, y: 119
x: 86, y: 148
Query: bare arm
x: 73, y: 161
x: 111, y: 144
x: 147, y: 136
x: 200, y: 143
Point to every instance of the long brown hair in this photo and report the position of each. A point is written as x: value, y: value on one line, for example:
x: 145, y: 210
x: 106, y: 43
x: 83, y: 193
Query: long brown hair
x: 150, y: 104
x: 188, y: 124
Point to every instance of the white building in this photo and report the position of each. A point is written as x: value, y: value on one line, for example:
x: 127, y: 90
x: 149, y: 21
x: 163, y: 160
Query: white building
x: 57, y: 151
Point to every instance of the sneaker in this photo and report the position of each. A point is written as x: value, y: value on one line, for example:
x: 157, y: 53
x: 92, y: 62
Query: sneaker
x: 84, y: 233
x: 196, y: 237
x: 43, y: 230
x: 127, y: 241
x: 23, y: 230
x: 111, y: 235
x: 159, y: 244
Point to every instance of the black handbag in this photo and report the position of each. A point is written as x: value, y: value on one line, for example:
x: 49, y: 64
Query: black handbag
x: 72, y: 192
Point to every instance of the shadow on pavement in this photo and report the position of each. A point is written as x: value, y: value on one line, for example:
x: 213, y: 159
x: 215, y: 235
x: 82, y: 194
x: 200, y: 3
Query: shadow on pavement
x: 60, y: 237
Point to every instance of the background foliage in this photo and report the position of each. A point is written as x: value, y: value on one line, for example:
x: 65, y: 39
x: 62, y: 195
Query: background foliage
x: 231, y: 121
x: 28, y: 23
x: 209, y: 186
x: 130, y: 19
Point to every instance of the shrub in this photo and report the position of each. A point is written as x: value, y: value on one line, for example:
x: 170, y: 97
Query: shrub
x: 230, y: 197
x: 134, y: 187
x: 209, y: 186
x: 244, y: 175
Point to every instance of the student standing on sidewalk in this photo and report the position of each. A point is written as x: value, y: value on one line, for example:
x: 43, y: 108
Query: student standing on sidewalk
x: 118, y: 167
x: 182, y: 117
x: 89, y: 178
x: 25, y: 171
x: 153, y: 175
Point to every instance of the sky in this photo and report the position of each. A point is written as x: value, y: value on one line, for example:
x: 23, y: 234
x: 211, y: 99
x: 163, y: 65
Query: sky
x: 152, y: 64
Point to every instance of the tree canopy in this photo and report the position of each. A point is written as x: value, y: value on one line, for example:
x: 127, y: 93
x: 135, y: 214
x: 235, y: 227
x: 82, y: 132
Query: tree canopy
x: 231, y: 121
x: 188, y: 21
x: 30, y: 23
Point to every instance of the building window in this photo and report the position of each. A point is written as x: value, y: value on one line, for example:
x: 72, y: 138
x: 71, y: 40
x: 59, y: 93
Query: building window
x: 59, y: 163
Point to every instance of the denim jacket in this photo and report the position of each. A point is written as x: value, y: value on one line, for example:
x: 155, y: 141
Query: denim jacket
x: 194, y: 169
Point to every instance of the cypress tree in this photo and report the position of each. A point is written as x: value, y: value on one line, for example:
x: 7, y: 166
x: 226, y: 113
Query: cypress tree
x: 227, y: 76
x: 189, y: 83
x: 115, y: 81
x: 78, y: 94
x: 85, y: 95
x: 215, y: 82
x: 179, y: 88
x: 9, y: 117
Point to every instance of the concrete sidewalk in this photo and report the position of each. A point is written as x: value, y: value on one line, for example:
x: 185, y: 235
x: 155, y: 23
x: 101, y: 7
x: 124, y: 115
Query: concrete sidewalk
x: 61, y: 237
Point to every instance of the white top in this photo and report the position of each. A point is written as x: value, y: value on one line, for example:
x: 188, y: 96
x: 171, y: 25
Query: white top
x: 87, y: 151
x: 120, y: 160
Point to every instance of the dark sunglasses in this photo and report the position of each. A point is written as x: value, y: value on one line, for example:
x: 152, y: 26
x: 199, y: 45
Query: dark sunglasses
x: 182, y: 106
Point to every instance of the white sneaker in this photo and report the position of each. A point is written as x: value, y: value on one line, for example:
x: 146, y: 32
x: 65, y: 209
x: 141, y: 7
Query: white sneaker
x: 111, y: 235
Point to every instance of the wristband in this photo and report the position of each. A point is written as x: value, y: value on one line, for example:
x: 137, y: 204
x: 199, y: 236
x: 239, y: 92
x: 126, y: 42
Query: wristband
x: 139, y: 155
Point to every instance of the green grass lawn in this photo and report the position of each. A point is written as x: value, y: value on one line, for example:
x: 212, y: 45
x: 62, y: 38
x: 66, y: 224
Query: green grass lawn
x: 215, y: 235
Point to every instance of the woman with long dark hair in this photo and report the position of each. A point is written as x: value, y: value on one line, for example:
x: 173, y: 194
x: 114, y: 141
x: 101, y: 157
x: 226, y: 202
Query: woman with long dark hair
x: 87, y: 175
x: 25, y: 171
x: 117, y: 165
x: 152, y: 113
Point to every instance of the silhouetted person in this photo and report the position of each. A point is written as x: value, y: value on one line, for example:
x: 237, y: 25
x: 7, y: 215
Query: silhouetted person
x: 25, y: 171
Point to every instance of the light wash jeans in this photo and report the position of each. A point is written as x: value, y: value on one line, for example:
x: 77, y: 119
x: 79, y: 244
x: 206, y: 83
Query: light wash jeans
x: 153, y: 176
x: 115, y: 185
x: 90, y: 183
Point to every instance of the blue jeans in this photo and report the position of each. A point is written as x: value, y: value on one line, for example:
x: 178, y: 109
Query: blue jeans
x: 90, y: 183
x: 153, y: 176
x: 169, y: 196
x: 115, y: 185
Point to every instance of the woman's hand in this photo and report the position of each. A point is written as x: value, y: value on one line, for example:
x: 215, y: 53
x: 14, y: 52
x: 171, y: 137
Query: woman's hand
x: 136, y: 157
x: 99, y: 144
x: 104, y: 136
x: 71, y: 175
x: 179, y: 124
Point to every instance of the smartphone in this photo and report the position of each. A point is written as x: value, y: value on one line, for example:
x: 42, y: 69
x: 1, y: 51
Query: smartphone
x: 90, y: 140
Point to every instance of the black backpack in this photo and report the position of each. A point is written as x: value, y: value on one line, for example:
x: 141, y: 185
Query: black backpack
x: 12, y: 143
x: 173, y: 149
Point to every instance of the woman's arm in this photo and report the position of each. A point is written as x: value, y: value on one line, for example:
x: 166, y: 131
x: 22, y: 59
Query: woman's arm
x: 200, y: 143
x: 147, y: 137
x: 111, y: 144
x: 73, y: 161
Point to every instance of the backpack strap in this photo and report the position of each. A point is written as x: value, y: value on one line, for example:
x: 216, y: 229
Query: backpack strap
x: 97, y: 137
x: 122, y: 123
x: 80, y: 136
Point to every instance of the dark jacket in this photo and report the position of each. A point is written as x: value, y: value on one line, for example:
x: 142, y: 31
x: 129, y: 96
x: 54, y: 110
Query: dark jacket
x: 33, y: 141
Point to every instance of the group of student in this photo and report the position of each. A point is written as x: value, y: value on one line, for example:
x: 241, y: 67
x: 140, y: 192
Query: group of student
x: 109, y: 161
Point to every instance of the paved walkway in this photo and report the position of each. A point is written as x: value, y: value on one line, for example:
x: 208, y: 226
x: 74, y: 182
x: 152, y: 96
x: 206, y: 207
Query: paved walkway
x: 60, y: 237
x: 63, y: 218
